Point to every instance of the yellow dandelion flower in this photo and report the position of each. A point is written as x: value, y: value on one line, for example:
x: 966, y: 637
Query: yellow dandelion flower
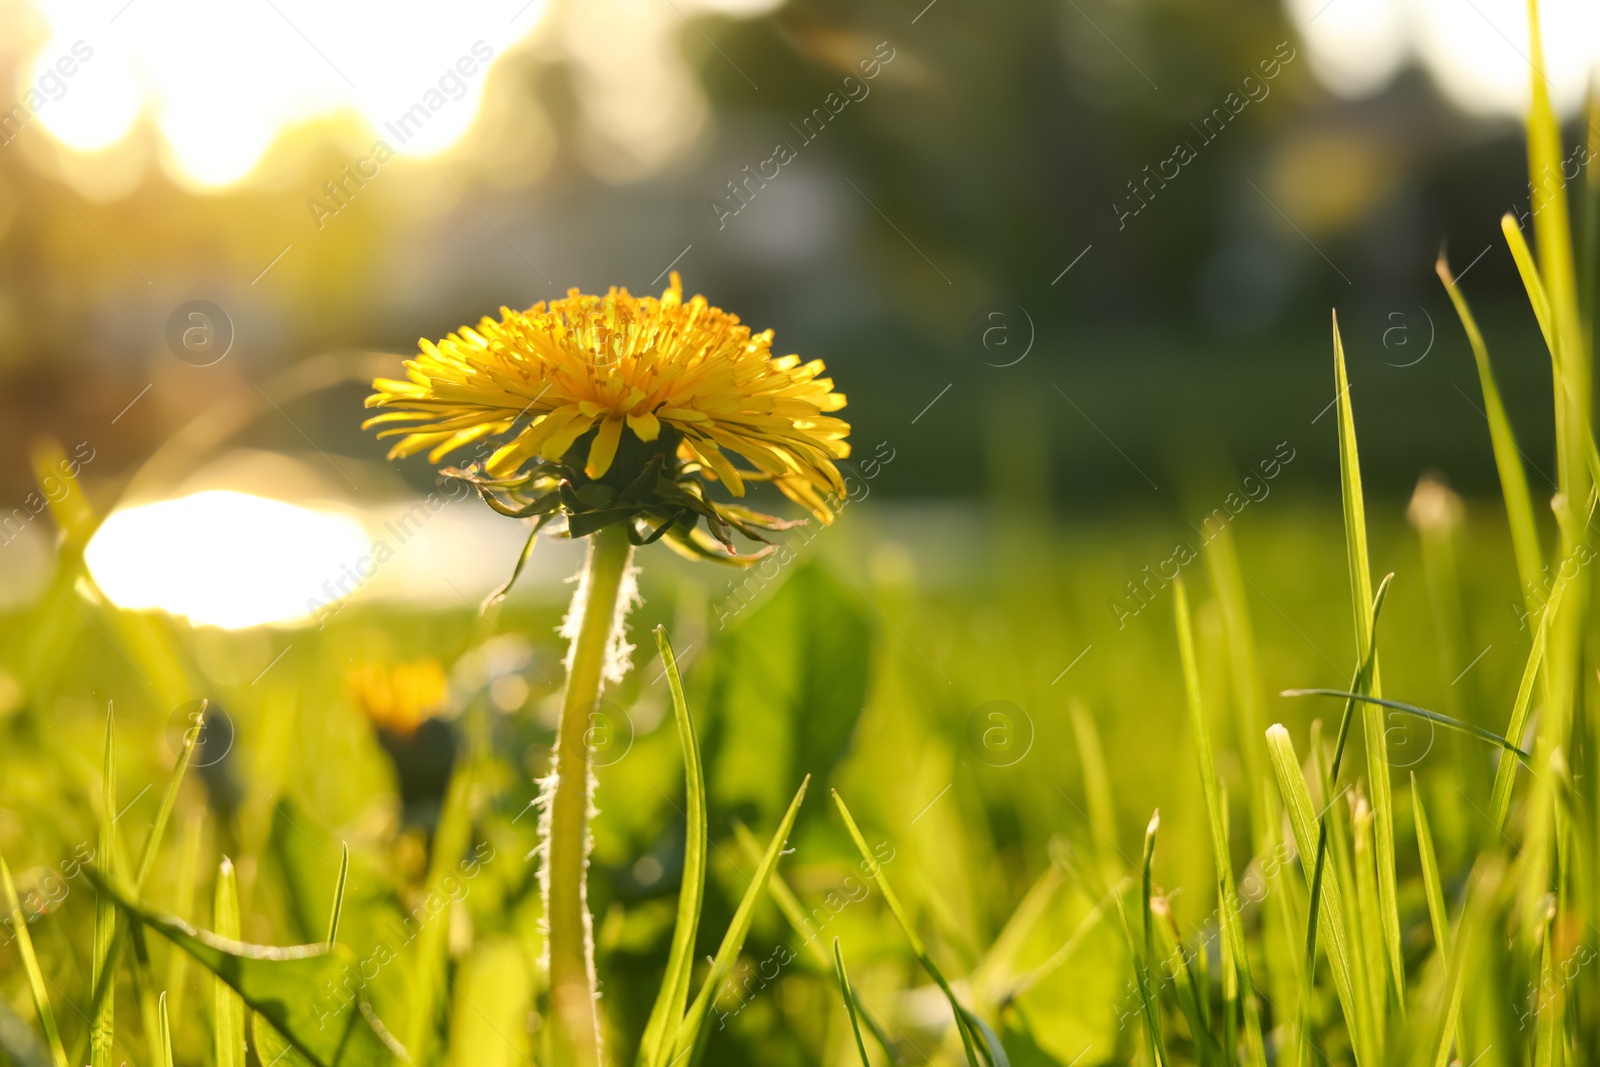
x: 610, y: 409
x: 402, y: 696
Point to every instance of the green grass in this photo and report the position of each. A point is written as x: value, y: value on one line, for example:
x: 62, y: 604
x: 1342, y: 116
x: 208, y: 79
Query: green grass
x: 991, y: 894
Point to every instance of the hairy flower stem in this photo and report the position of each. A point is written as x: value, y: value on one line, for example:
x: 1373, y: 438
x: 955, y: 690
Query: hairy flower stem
x: 571, y: 945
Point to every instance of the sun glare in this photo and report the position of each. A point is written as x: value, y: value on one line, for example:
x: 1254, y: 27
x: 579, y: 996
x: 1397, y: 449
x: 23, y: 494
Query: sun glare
x: 222, y: 558
x: 1477, y: 52
x: 222, y: 82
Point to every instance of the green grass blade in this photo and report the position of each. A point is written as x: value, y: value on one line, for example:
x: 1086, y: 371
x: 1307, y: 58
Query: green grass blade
x: 1551, y: 221
x: 1097, y: 791
x: 1355, y: 525
x: 1302, y: 822
x: 1362, y: 680
x: 782, y: 895
x: 1236, y: 961
x: 338, y: 895
x: 792, y: 910
x: 188, y: 874
x: 1421, y: 713
x: 1187, y: 982
x: 1367, y: 922
x: 30, y: 965
x: 1505, y: 776
x: 227, y: 1007
x: 1227, y: 581
x: 1433, y: 888
x: 1438, y: 916
x: 849, y: 1001
x: 164, y: 1052
x: 963, y: 1027
x: 169, y: 799
x: 102, y: 1022
x: 299, y: 990
x: 993, y: 1051
x: 1547, y: 1035
x: 688, y: 1034
x: 1528, y: 269
x: 104, y: 982
x: 1589, y: 242
x: 665, y: 1017
x: 1507, y: 456
x: 1149, y: 1012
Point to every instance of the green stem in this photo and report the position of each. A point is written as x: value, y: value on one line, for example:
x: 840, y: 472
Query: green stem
x: 571, y: 946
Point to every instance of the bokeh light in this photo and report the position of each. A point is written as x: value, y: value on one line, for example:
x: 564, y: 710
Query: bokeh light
x: 222, y: 558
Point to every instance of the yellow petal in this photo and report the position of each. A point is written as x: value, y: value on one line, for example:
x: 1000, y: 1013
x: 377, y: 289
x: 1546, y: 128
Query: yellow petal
x: 604, y: 449
x: 645, y: 426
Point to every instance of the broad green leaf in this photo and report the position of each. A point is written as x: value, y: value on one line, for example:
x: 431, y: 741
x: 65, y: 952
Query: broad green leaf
x: 849, y: 1001
x: 1061, y: 955
x: 288, y: 987
x: 1235, y: 960
x: 656, y: 1045
x: 494, y: 992
x: 1355, y: 527
x: 30, y: 965
x: 303, y: 848
x: 227, y: 1009
x: 788, y: 682
x: 689, y: 1033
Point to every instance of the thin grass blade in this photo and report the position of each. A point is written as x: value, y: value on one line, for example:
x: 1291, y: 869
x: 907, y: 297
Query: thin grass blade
x: 1422, y: 713
x: 188, y: 873
x: 338, y: 895
x: 102, y: 976
x: 667, y: 1014
x: 1150, y: 1009
x: 164, y: 1051
x: 969, y: 1041
x: 1236, y: 961
x: 1507, y: 455
x: 227, y: 1007
x: 1302, y: 822
x: 1505, y: 776
x: 1355, y: 525
x: 688, y: 1034
x: 30, y: 965
x: 1433, y: 889
x: 849, y: 1001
